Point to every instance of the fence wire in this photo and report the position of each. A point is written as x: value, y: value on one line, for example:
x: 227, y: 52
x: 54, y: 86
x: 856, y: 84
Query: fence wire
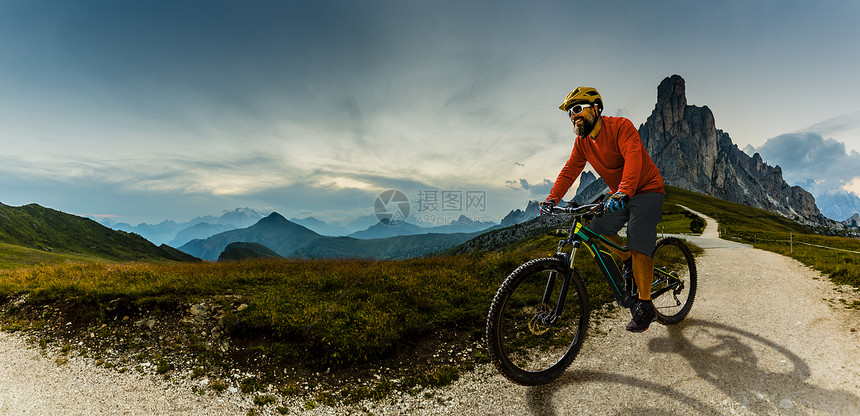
x: 792, y: 242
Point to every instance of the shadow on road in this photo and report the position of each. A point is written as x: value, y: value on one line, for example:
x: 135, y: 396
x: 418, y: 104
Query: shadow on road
x: 541, y: 403
x: 757, y: 375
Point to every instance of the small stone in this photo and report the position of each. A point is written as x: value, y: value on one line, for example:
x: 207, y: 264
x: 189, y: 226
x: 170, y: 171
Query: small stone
x: 198, y: 310
x: 242, y: 307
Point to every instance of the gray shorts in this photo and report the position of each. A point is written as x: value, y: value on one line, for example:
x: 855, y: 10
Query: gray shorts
x: 643, y: 213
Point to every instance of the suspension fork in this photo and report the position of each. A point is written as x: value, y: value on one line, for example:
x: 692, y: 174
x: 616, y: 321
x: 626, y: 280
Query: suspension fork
x: 565, y: 284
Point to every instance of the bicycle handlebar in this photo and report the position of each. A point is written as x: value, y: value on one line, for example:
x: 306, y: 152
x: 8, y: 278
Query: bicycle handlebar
x: 589, y: 209
x: 594, y: 208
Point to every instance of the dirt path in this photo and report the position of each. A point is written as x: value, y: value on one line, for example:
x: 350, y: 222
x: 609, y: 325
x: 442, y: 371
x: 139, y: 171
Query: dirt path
x: 33, y: 384
x: 765, y: 336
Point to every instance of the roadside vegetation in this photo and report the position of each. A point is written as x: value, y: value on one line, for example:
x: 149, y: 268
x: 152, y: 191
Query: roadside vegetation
x: 677, y: 220
x: 774, y: 233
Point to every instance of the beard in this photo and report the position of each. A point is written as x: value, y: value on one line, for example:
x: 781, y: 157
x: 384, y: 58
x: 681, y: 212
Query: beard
x: 587, y: 125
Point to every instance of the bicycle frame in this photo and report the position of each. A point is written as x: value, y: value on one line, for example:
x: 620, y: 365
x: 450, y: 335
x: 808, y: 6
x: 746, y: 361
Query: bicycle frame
x: 581, y: 235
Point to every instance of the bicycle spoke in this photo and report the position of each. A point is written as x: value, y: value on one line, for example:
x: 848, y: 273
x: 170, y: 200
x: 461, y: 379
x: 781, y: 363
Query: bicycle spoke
x: 675, y: 275
x: 530, y: 340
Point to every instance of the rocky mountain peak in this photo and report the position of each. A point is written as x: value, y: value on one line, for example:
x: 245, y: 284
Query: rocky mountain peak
x: 275, y: 218
x: 693, y: 154
x: 853, y: 222
x: 585, y: 179
x: 682, y: 140
x: 672, y: 98
x: 518, y: 216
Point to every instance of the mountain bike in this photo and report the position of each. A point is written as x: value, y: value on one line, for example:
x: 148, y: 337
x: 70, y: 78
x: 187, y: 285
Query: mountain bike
x: 539, y: 315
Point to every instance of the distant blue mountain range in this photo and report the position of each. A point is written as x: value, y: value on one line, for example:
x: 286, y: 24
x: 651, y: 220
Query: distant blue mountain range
x: 207, y: 236
x: 176, y: 234
x: 289, y: 239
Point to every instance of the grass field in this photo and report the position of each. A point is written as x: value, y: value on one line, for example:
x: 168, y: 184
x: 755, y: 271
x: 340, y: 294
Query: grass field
x: 329, y: 312
x: 17, y: 257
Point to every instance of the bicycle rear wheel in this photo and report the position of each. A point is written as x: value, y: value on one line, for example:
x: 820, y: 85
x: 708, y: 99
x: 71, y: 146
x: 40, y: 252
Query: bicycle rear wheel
x: 674, y: 287
x: 530, y: 341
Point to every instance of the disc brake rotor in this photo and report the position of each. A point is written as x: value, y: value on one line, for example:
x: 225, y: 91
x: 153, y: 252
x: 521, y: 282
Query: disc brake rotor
x: 537, y: 324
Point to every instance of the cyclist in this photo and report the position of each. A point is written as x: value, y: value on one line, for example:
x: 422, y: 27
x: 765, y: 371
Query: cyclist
x: 614, y: 149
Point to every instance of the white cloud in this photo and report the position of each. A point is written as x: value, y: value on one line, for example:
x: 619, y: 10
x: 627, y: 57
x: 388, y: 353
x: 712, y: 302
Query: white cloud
x: 809, y: 158
x: 853, y: 186
x: 343, y: 182
x: 836, y: 124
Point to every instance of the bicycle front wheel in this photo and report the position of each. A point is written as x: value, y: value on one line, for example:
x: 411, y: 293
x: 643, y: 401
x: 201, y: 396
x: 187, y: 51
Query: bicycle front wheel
x: 537, y: 321
x: 674, y: 287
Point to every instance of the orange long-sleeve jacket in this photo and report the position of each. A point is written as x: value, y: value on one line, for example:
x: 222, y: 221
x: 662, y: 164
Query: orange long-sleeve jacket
x: 618, y: 156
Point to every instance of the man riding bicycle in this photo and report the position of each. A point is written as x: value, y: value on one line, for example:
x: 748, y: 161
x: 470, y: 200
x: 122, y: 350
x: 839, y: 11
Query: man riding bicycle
x: 614, y: 149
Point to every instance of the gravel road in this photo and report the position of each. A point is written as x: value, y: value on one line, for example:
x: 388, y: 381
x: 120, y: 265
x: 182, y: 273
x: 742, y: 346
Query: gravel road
x: 766, y: 335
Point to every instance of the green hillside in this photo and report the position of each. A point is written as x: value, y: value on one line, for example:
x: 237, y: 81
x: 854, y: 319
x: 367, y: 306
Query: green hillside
x: 735, y: 219
x: 61, y: 236
x: 391, y: 248
x: 243, y: 251
x: 12, y: 256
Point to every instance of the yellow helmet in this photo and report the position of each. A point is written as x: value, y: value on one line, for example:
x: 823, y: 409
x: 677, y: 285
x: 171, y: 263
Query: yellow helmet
x: 582, y: 95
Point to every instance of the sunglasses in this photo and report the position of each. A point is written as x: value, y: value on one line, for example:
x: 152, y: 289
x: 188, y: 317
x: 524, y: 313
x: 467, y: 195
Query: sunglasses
x: 577, y: 109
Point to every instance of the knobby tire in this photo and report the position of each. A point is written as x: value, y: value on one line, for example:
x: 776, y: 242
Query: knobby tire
x: 523, y: 349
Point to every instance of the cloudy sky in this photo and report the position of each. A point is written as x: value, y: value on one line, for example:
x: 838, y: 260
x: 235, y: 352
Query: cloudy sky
x: 153, y: 110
